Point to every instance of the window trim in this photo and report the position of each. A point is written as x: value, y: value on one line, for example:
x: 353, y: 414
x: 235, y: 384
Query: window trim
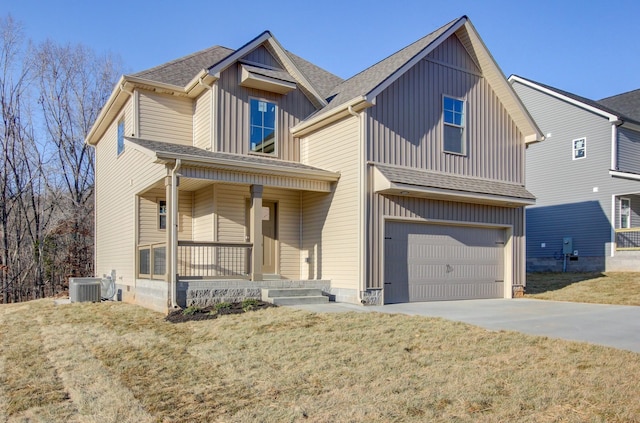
x: 120, y: 136
x: 573, y: 148
x: 620, y: 214
x: 159, y: 214
x: 463, y: 126
x: 275, y: 127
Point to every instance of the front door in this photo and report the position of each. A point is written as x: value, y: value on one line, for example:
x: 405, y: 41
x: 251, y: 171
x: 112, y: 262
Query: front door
x: 269, y: 237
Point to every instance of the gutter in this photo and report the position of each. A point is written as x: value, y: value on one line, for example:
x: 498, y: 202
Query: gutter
x: 355, y: 105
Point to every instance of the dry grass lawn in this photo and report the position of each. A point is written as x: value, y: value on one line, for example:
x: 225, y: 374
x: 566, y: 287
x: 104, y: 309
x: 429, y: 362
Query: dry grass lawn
x: 113, y: 362
x: 602, y: 288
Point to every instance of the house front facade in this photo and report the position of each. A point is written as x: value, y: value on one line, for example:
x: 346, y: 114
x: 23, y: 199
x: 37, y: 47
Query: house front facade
x: 228, y: 171
x: 586, y: 180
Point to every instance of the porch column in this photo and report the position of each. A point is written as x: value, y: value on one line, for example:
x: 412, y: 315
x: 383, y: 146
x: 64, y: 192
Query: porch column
x: 168, y: 231
x: 255, y: 234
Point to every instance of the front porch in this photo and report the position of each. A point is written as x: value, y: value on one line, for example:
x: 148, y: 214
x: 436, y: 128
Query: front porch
x: 626, y: 245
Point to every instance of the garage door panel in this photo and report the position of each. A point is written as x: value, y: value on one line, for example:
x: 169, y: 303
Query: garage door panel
x: 426, y: 262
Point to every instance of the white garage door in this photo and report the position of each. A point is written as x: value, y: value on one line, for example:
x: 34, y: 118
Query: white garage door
x: 426, y: 262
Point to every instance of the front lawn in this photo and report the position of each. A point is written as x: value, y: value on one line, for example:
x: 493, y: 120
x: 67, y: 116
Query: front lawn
x: 602, y: 288
x: 113, y: 362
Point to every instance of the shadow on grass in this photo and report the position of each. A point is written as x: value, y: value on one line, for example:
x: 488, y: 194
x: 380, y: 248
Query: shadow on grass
x: 538, y: 283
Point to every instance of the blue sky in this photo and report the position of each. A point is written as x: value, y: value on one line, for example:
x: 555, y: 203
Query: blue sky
x: 588, y: 48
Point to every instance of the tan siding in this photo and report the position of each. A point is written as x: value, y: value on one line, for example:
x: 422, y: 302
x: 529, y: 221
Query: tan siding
x: 149, y: 231
x: 288, y: 222
x: 202, y: 121
x: 419, y: 208
x: 203, y: 214
x: 166, y: 118
x: 405, y: 126
x: 231, y: 204
x: 330, y: 222
x: 233, y: 117
x: 118, y: 179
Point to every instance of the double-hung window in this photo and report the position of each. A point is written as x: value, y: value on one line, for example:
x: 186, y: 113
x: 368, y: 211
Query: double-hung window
x: 625, y: 213
x: 579, y: 148
x: 263, y: 126
x: 120, y: 136
x: 453, y: 133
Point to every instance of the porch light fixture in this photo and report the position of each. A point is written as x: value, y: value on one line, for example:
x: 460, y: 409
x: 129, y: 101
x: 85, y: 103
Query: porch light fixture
x: 404, y: 192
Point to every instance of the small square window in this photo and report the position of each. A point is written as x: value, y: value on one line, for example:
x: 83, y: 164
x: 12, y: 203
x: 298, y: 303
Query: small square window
x: 453, y: 133
x: 120, y: 136
x: 262, y: 120
x: 162, y: 214
x: 579, y: 148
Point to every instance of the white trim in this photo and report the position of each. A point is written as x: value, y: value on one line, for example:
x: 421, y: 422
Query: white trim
x: 276, y: 117
x: 619, y: 217
x: 570, y: 100
x: 614, y: 145
x: 463, y: 126
x: 624, y: 175
x: 319, y: 121
x: 573, y: 148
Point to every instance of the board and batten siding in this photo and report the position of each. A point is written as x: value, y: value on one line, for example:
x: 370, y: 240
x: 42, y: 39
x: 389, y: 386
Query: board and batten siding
x: 628, y: 150
x: 446, y: 212
x: 232, y: 123
x: 405, y: 126
x: 166, y: 118
x: 330, y: 221
x: 148, y: 207
x: 202, y: 120
x: 571, y: 195
x: 118, y: 179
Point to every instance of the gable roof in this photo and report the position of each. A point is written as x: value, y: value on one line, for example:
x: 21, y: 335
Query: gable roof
x: 627, y: 103
x: 360, y: 91
x: 601, y: 107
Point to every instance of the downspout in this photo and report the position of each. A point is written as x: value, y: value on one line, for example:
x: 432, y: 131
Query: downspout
x: 361, y: 209
x: 174, y: 231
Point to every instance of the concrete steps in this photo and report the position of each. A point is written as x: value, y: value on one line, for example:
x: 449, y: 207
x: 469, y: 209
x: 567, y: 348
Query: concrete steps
x: 293, y: 296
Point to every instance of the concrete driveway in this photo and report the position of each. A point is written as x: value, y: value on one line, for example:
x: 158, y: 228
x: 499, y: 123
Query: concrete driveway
x: 609, y: 325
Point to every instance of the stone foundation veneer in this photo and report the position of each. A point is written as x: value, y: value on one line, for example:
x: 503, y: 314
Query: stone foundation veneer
x: 372, y: 297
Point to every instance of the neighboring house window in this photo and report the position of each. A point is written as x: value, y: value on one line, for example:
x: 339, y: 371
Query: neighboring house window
x: 162, y: 214
x: 579, y: 148
x: 625, y: 213
x: 120, y: 136
x: 453, y: 131
x: 263, y: 126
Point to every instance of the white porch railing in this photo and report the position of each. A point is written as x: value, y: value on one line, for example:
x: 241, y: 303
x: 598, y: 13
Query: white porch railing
x: 628, y: 239
x: 202, y: 260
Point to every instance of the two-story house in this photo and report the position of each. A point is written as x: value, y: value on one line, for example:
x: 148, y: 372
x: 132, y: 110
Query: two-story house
x: 586, y: 178
x: 228, y: 171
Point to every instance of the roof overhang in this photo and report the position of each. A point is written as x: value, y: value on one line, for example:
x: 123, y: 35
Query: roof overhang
x: 438, y: 186
x: 229, y: 162
x: 274, y: 81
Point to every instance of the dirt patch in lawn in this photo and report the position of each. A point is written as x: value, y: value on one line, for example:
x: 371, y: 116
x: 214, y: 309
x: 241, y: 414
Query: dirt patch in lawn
x: 212, y: 312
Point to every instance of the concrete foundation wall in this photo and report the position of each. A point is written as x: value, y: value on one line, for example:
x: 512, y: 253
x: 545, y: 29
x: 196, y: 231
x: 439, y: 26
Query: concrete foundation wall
x: 551, y: 264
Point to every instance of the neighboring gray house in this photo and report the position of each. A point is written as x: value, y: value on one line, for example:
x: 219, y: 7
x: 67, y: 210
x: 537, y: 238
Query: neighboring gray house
x: 586, y: 178
x: 228, y: 171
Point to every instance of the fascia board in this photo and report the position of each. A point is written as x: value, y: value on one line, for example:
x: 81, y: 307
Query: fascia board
x: 108, y: 109
x: 233, y: 57
x: 306, y: 127
x: 562, y: 97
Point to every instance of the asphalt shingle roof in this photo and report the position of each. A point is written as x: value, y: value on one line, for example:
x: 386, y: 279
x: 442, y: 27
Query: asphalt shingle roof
x: 627, y: 103
x: 422, y: 178
x: 370, y: 78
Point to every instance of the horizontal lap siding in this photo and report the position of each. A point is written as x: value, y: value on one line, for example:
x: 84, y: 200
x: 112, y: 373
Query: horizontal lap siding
x: 202, y: 121
x: 288, y: 230
x: 330, y: 222
x: 166, y: 118
x: 149, y: 231
x: 425, y: 209
x: 203, y: 216
x: 118, y: 180
x: 405, y: 126
x: 231, y: 204
x: 628, y: 150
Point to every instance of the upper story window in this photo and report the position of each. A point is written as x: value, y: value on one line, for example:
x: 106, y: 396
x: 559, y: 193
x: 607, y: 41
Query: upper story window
x: 579, y: 148
x: 120, y: 136
x: 263, y: 126
x: 453, y: 134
